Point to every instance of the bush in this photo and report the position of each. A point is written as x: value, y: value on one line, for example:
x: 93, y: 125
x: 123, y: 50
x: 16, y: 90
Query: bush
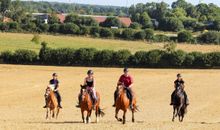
x: 4, y: 26
x: 85, y: 56
x: 210, y: 37
x: 189, y: 60
x: 105, y: 32
x: 185, y: 36
x: 161, y: 38
x: 84, y: 30
x: 171, y: 24
x: 128, y: 34
x: 135, y: 25
x: 149, y: 34
x: 141, y: 58
x: 13, y: 25
x: 43, y: 28
x: 154, y: 57
x: 54, y: 28
x: 198, y: 59
x: 22, y: 56
x: 94, y: 31
x: 7, y: 56
x: 177, y: 58
x: 104, y: 58
x: 69, y: 28
x: 140, y: 35
x: 121, y: 57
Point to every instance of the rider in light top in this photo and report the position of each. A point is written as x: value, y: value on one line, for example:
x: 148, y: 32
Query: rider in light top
x: 125, y: 81
x: 179, y: 82
x: 89, y: 83
x: 55, y: 82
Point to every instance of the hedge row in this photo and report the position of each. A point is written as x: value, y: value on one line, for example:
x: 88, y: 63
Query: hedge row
x: 211, y: 37
x: 93, y: 57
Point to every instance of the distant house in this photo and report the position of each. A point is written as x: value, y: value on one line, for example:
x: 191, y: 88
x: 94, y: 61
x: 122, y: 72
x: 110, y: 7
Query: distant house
x: 6, y: 20
x: 124, y: 20
x: 44, y: 16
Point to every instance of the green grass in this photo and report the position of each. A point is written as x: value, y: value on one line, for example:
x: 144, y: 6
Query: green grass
x: 13, y: 41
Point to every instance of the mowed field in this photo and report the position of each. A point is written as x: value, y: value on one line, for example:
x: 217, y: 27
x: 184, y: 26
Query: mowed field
x: 13, y: 41
x: 22, y: 89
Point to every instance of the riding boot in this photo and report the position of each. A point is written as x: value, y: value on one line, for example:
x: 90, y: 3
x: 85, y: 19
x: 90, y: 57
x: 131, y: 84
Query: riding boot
x: 186, y: 98
x: 58, y: 99
x: 172, y: 98
x: 79, y: 99
x: 115, y: 97
x: 130, y: 98
x: 45, y: 103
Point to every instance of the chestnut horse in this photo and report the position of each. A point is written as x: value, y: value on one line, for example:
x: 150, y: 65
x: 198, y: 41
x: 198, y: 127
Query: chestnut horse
x: 122, y: 103
x: 52, y: 104
x: 86, y: 105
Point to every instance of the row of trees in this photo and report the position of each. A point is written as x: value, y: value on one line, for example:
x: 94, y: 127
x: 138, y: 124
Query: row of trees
x: 92, y: 57
x: 160, y: 16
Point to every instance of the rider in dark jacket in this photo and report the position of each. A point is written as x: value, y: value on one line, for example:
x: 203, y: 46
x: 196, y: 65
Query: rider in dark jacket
x: 179, y: 82
x: 55, y: 82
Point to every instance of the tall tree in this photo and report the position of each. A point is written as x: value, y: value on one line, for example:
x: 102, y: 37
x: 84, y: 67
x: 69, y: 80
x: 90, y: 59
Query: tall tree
x: 4, y: 6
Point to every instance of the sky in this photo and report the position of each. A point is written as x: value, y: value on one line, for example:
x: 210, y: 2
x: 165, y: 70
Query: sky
x: 130, y: 2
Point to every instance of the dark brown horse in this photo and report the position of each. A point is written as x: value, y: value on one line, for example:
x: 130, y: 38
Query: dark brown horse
x: 52, y: 104
x: 123, y: 103
x: 86, y: 105
x: 179, y: 105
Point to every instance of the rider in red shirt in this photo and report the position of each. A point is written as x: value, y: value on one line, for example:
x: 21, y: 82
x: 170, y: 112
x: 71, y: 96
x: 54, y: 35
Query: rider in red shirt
x: 125, y: 81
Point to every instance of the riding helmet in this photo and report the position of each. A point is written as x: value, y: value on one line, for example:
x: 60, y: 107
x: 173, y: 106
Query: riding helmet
x: 54, y: 74
x: 179, y: 75
x: 90, y: 72
x: 125, y: 69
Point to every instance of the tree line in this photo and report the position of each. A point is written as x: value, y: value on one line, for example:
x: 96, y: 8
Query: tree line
x: 168, y: 58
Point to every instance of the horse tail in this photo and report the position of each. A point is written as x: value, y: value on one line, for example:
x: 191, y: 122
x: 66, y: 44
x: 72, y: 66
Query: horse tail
x: 135, y: 108
x: 100, y: 112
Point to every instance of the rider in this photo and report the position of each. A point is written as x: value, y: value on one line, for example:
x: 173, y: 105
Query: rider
x: 179, y: 83
x: 89, y: 83
x: 55, y: 82
x: 125, y: 81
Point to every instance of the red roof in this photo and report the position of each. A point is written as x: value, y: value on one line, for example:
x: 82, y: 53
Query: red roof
x: 61, y: 17
x: 124, y: 20
x: 6, y: 20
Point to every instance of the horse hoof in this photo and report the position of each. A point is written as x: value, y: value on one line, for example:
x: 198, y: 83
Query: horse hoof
x: 133, y: 120
x: 120, y: 120
x: 97, y: 120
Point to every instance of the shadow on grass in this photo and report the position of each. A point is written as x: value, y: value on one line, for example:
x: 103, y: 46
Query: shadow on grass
x: 205, y: 123
x: 56, y: 122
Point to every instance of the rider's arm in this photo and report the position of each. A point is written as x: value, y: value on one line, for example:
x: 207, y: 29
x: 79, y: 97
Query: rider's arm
x: 85, y: 82
x: 132, y: 82
x: 93, y: 83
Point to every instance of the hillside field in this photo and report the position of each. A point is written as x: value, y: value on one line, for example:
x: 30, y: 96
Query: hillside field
x: 13, y: 41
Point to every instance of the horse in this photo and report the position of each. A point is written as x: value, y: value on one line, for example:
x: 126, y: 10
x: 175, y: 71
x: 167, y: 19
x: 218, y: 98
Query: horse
x: 52, y: 104
x: 179, y: 105
x: 123, y: 103
x: 86, y: 105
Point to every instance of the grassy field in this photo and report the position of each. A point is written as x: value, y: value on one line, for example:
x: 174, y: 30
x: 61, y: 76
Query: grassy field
x: 22, y: 98
x: 13, y: 41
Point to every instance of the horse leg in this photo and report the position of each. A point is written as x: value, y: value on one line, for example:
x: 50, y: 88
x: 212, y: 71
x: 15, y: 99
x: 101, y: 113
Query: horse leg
x: 97, y: 114
x: 124, y: 117
x: 88, y: 119
x: 47, y: 113
x: 116, y: 115
x: 58, y: 110
x: 174, y: 110
x: 133, y: 116
x: 83, y: 117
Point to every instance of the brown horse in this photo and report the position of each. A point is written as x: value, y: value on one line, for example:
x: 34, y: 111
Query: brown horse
x: 86, y: 105
x: 122, y: 103
x: 52, y: 104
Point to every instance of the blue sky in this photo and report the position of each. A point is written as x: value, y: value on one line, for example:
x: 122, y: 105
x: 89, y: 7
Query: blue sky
x: 130, y: 2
